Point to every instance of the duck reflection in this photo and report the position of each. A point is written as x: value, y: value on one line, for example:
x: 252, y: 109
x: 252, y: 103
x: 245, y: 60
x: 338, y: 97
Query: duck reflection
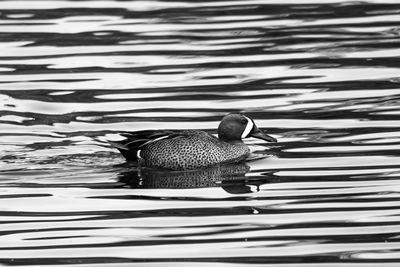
x: 230, y: 177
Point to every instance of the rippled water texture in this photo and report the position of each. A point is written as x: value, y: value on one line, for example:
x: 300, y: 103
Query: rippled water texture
x: 323, y: 78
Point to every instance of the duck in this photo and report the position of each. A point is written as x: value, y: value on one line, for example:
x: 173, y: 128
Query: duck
x: 191, y: 149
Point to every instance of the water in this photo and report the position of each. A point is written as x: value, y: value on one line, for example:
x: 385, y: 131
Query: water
x: 323, y: 78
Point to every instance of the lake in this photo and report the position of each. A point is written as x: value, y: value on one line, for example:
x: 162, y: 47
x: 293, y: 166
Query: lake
x: 323, y: 77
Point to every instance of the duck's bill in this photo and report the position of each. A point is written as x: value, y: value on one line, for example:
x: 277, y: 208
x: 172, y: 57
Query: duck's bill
x: 261, y: 135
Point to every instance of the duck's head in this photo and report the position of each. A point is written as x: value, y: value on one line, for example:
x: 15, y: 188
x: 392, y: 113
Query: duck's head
x: 235, y: 127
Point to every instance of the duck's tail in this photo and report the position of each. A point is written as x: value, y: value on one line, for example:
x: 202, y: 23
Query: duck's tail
x: 128, y: 154
x: 130, y: 147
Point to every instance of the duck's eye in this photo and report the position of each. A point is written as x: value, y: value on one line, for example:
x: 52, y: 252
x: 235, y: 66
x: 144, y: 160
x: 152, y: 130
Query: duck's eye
x: 243, y: 121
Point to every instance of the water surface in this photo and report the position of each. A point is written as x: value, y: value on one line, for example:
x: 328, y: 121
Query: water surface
x: 320, y: 76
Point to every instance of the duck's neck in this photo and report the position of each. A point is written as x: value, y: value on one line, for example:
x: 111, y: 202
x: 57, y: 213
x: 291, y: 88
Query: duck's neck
x: 230, y: 141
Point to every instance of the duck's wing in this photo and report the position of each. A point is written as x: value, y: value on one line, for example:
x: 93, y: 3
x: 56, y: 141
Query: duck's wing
x: 135, y: 141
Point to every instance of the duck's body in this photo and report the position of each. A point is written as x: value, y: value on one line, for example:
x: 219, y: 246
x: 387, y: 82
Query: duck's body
x: 190, y: 149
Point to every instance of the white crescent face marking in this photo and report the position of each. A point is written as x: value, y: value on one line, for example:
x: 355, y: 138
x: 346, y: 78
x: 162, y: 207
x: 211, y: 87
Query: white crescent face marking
x: 138, y: 154
x: 249, y: 127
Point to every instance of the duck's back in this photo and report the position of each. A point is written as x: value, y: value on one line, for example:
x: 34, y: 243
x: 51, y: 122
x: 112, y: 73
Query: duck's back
x: 190, y: 150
